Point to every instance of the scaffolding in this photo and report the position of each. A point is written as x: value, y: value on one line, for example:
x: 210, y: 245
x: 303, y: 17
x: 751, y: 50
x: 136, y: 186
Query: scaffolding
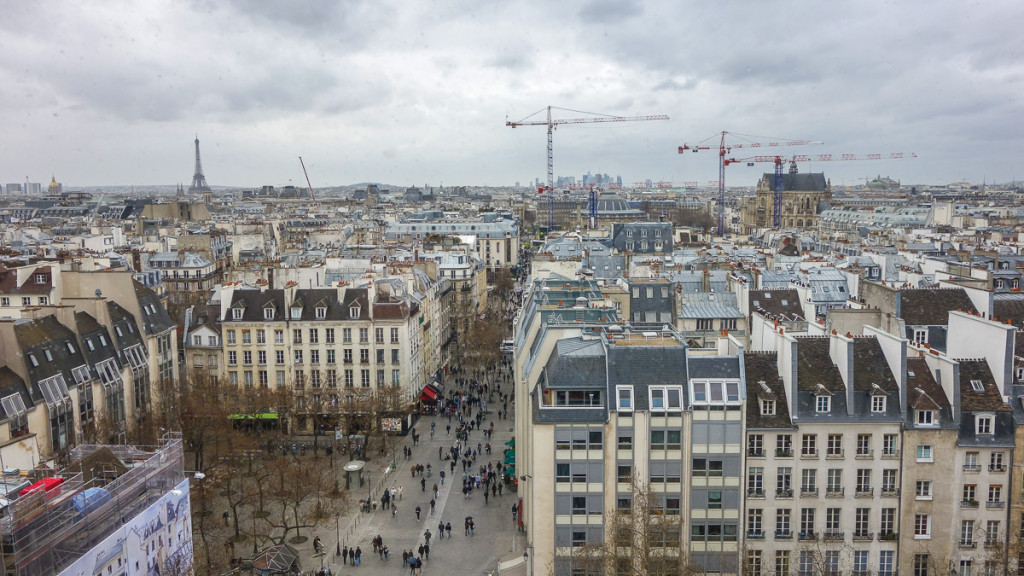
x: 43, y: 532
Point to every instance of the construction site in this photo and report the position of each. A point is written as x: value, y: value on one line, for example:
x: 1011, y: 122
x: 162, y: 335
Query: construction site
x: 103, y: 511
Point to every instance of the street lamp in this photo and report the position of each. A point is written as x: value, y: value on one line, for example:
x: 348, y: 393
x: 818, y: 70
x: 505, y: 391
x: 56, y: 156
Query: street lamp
x: 337, y: 528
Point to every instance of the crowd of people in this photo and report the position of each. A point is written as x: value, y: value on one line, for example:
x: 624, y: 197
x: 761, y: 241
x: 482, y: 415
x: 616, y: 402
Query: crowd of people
x: 473, y: 398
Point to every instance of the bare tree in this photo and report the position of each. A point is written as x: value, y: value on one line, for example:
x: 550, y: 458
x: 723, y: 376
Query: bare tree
x: 299, y: 504
x: 641, y: 540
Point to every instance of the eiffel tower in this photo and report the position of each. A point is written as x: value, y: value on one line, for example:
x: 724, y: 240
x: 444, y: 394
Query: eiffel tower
x: 199, y: 185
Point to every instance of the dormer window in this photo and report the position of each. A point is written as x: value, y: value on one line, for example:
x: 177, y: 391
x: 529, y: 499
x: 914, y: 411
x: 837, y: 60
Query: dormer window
x: 353, y: 312
x: 925, y: 418
x: 321, y: 312
x: 984, y: 424
x: 236, y: 313
x: 767, y: 407
x: 878, y: 404
x: 822, y: 404
x: 296, y: 313
x: 268, y: 313
x: 40, y: 278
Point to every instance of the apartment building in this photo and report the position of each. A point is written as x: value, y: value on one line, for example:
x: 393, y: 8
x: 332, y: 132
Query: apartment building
x: 822, y: 446
x: 618, y: 423
x: 496, y: 242
x: 343, y: 341
x: 86, y: 369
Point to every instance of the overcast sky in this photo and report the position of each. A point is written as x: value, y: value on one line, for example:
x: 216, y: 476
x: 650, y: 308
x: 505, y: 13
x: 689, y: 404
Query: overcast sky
x: 417, y: 92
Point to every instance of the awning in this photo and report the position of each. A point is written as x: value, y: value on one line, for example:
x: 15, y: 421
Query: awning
x: 429, y: 394
x: 264, y: 416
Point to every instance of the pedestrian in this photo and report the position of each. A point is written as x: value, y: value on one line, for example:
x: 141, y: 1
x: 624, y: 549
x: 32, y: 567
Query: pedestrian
x: 426, y: 535
x: 448, y: 428
x: 359, y: 555
x: 423, y: 484
x: 485, y: 496
x: 472, y: 527
x: 442, y: 477
x: 226, y: 516
x: 417, y: 513
x: 467, y: 526
x: 399, y: 492
x: 448, y: 530
x: 420, y: 550
x: 431, y: 506
x: 426, y: 551
x: 344, y: 555
x: 405, y: 558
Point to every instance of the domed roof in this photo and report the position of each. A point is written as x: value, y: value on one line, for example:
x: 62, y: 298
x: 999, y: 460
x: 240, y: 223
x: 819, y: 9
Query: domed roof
x: 609, y: 201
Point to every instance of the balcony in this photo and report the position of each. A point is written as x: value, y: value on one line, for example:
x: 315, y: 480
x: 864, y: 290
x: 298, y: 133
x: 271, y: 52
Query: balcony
x: 864, y: 492
x: 890, y: 491
x: 968, y: 503
x: 834, y: 493
x: 784, y: 493
x: 834, y: 455
x: 863, y: 536
x: 865, y: 454
x: 968, y: 544
x: 750, y: 493
x: 783, y: 535
x: 758, y: 535
x: 997, y: 468
x: 888, y: 536
x: 809, y: 454
x: 972, y: 468
x: 755, y: 452
x: 993, y: 505
x: 781, y: 453
x: 809, y: 491
x: 834, y: 535
x: 808, y: 536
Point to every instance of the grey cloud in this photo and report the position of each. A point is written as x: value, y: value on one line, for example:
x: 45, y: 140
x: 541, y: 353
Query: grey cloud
x: 610, y: 11
x: 672, y: 85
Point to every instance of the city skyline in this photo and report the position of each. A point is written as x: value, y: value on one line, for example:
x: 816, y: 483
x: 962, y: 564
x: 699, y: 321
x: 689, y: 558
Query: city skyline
x: 395, y: 93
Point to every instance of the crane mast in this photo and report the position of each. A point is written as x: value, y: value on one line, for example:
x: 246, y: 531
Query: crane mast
x: 551, y: 123
x: 308, y: 185
x: 725, y: 149
x: 780, y: 161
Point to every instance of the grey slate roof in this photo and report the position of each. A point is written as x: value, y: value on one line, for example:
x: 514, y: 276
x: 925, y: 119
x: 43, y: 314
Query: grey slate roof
x: 714, y: 367
x: 576, y: 363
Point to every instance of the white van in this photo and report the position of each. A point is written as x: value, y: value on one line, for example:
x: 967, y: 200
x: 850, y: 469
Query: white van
x: 507, y: 346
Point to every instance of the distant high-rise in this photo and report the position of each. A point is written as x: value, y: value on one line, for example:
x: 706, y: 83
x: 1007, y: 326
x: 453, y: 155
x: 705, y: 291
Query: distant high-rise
x: 199, y: 185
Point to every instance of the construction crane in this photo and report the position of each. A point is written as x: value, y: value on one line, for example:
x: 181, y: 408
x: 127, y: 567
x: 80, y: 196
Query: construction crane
x: 551, y: 123
x: 308, y: 185
x: 779, y: 162
x: 725, y: 149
